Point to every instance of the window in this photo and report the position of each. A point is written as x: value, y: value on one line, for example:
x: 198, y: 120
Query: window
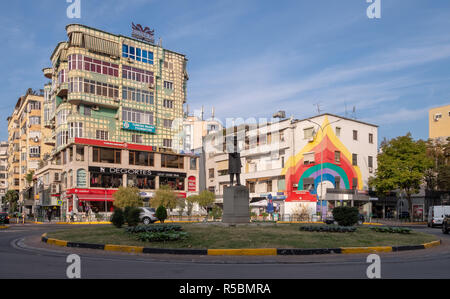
x: 102, y: 135
x: 80, y: 153
x: 282, y: 162
x: 35, y: 120
x: 355, y: 160
x: 337, y: 181
x: 76, y: 130
x: 61, y: 117
x: 81, y: 178
x: 172, y: 161
x: 84, y: 63
x: 136, y: 138
x: 174, y: 183
x: 212, y: 189
x: 137, y: 116
x: 35, y: 152
x: 309, y: 158
x: 337, y: 157
x: 138, y: 75
x: 141, y: 158
x: 34, y: 105
x: 106, y: 155
x: 87, y: 111
x: 141, y: 181
x: 308, y: 133
x: 168, y: 85
x: 371, y: 138
x: 137, y: 54
x: 338, y: 131
x: 102, y: 180
x: 251, y: 187
x: 168, y: 65
x: 211, y: 173
x: 193, y: 163
x: 168, y: 123
x: 269, y: 186
x: 308, y: 184
x: 137, y: 95
x: 168, y: 104
x: 355, y: 135
x: 80, y: 85
x: 167, y: 143
x: 62, y: 138
x: 370, y: 162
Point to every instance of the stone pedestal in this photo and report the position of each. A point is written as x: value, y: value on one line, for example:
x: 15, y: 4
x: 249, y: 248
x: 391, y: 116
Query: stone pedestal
x: 236, y: 205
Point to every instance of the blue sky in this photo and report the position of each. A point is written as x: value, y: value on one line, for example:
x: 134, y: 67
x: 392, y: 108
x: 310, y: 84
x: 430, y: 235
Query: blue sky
x: 251, y: 58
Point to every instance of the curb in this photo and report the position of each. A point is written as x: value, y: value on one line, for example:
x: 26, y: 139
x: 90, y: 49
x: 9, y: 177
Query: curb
x: 319, y: 222
x: 239, y: 252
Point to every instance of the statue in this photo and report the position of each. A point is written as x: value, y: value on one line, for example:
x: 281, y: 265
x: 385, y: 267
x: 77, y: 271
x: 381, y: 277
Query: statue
x: 234, y: 164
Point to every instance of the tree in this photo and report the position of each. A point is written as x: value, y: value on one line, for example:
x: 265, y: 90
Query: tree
x: 12, y: 197
x: 127, y: 197
x: 401, y: 166
x: 165, y: 197
x: 29, y: 177
x: 206, y: 199
x: 190, y: 201
x: 437, y: 177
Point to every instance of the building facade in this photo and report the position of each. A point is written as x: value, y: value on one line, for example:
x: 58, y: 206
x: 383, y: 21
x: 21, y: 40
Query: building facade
x: 304, y: 166
x: 3, y: 173
x: 439, y: 122
x: 26, y: 146
x: 115, y: 107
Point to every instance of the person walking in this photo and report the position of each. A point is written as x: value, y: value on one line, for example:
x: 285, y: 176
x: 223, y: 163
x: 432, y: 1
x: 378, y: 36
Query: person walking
x: 49, y: 215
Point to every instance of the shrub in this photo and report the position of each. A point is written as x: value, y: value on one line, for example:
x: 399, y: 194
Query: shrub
x: 161, y: 214
x: 161, y: 236
x: 118, y: 218
x: 328, y: 228
x: 155, y: 228
x: 346, y: 216
x: 132, y: 216
x: 392, y: 230
x: 216, y: 212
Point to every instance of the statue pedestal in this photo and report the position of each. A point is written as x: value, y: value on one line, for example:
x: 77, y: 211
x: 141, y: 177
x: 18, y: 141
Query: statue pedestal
x: 236, y: 205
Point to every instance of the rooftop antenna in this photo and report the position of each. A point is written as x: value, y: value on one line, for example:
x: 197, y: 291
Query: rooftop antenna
x: 203, y: 112
x: 318, y: 108
x: 354, y: 112
x: 213, y: 112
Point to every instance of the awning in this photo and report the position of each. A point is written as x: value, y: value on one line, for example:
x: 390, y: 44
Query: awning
x: 77, y: 39
x: 223, y: 165
x: 93, y: 197
x: 101, y: 45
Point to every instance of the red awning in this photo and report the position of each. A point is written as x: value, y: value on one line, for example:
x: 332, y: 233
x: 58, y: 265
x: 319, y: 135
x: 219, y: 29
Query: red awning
x: 93, y: 197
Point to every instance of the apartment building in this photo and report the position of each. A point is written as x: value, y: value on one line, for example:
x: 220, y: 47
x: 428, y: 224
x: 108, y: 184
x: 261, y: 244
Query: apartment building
x: 26, y: 146
x: 115, y: 106
x: 439, y: 122
x: 313, y: 164
x: 3, y: 172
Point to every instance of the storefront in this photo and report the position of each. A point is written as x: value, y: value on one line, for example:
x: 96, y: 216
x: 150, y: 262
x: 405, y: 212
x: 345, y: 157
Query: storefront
x: 96, y: 200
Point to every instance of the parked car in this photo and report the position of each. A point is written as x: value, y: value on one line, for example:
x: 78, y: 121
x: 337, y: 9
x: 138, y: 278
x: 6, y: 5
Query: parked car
x: 148, y: 215
x: 4, y: 218
x: 446, y: 224
x: 436, y: 215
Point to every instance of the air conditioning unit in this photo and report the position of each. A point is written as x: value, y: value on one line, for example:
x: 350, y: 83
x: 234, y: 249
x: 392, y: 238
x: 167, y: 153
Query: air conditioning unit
x: 130, y: 60
x: 437, y: 117
x: 55, y: 188
x: 310, y: 139
x: 151, y: 85
x: 57, y: 177
x: 370, y: 170
x: 96, y: 108
x: 295, y: 185
x: 36, y: 139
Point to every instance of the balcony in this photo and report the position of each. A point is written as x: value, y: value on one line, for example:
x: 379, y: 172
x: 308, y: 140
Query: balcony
x: 62, y: 90
x: 48, y: 72
x: 99, y: 101
x: 49, y: 141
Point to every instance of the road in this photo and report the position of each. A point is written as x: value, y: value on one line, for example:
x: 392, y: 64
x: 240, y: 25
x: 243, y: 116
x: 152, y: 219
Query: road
x: 22, y: 255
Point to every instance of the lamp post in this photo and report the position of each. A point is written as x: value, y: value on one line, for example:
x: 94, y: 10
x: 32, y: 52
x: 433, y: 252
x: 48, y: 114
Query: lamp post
x: 321, y: 164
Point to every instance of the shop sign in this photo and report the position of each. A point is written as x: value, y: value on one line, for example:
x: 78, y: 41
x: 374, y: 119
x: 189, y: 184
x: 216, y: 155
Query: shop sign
x: 110, y: 170
x: 139, y: 127
x: 192, y: 184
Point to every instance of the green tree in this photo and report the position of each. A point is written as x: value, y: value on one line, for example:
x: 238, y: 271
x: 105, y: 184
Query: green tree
x: 190, y: 201
x: 127, y: 197
x: 165, y: 197
x: 12, y: 197
x: 161, y: 213
x: 437, y: 177
x: 206, y: 199
x: 402, y: 165
x: 29, y: 177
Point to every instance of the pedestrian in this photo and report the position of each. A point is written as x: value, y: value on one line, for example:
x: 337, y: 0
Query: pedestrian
x: 49, y: 215
x: 72, y: 216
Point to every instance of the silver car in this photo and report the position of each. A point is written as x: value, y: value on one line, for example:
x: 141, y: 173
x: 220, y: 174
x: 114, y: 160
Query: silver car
x: 148, y: 215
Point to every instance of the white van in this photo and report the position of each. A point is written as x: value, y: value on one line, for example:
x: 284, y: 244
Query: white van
x: 436, y: 214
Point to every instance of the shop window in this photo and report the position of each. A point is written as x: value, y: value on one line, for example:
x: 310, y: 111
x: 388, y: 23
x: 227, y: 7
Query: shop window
x: 142, y: 182
x: 141, y: 158
x: 106, y: 155
x: 102, y: 180
x: 193, y: 163
x: 172, y: 161
x: 174, y: 183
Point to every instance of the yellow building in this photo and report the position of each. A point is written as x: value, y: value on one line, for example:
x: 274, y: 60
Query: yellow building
x: 26, y: 145
x: 439, y: 122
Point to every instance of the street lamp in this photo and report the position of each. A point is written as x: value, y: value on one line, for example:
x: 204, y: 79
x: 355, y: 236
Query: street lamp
x: 321, y: 165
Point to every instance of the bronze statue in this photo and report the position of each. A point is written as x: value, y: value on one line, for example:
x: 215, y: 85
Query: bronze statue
x: 234, y: 164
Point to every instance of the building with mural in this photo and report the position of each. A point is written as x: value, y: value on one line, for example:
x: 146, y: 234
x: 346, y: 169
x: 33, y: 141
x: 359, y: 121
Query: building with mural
x: 303, y: 166
x: 115, y: 107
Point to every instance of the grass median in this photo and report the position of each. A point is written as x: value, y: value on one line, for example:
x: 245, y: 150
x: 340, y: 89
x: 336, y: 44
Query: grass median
x: 212, y: 236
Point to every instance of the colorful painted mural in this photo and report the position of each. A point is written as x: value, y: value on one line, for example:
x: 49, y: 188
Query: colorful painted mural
x: 327, y: 144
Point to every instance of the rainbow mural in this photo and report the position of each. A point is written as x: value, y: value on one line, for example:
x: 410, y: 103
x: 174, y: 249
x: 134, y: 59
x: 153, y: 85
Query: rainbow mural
x: 327, y: 142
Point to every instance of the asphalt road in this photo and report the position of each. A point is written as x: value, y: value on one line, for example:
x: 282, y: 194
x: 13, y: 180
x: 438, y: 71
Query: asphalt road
x: 22, y: 255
